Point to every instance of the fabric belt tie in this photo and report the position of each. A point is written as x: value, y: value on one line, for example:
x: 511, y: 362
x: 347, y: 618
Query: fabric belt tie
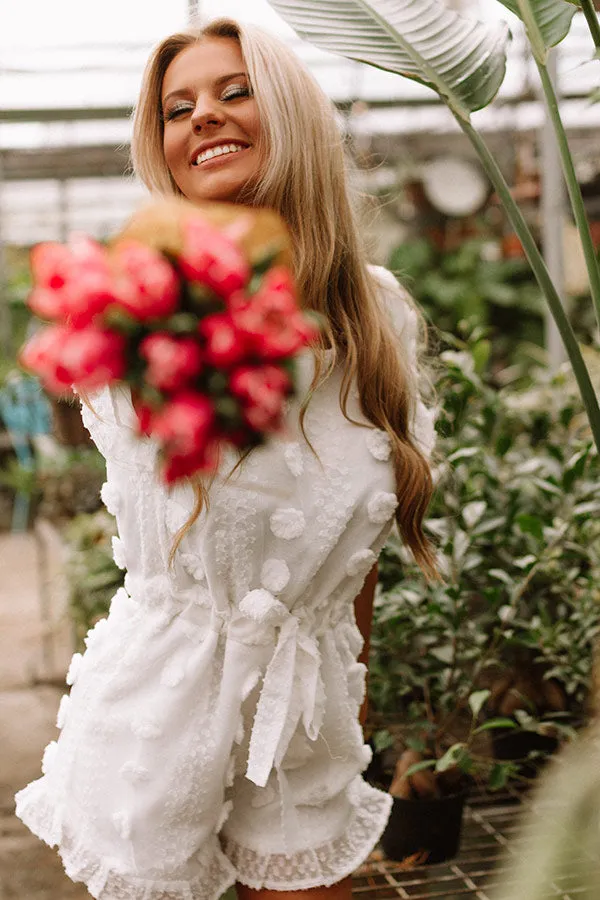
x: 292, y: 687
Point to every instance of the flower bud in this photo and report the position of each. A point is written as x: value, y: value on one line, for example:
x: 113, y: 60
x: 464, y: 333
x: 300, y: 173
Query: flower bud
x: 172, y: 362
x: 213, y: 259
x: 224, y: 346
x: 184, y: 425
x: 146, y: 283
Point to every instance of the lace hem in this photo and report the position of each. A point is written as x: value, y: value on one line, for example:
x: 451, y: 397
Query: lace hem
x: 324, y: 865
x: 41, y: 813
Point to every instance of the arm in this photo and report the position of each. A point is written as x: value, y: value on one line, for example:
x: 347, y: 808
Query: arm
x: 363, y: 610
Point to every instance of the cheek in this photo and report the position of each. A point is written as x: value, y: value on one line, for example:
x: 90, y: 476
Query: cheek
x: 172, y: 152
x: 254, y: 126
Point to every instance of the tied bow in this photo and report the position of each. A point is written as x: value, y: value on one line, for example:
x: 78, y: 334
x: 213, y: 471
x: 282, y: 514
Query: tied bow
x: 292, y: 688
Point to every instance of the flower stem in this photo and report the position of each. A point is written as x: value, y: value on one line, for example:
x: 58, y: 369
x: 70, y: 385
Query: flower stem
x: 592, y: 19
x: 542, y: 276
x: 577, y: 205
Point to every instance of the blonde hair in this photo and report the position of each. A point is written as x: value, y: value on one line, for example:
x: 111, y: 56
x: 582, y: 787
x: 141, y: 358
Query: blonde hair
x: 307, y: 179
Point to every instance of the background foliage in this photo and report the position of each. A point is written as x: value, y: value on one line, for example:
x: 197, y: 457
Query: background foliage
x: 516, y: 520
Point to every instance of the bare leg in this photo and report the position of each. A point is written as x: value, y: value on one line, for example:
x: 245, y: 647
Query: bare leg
x: 340, y: 891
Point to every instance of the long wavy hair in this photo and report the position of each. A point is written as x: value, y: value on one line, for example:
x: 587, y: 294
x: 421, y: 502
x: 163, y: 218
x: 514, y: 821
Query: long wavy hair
x: 308, y: 179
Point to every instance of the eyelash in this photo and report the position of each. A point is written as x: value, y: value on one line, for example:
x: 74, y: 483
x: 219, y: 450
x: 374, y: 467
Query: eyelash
x: 234, y: 94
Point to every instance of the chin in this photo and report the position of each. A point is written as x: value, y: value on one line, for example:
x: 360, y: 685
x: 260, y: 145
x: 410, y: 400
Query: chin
x: 219, y: 192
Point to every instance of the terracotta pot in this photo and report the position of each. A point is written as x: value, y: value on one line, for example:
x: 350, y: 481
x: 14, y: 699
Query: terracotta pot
x: 512, y: 247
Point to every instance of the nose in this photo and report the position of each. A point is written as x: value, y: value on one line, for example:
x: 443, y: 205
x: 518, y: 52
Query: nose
x: 206, y: 112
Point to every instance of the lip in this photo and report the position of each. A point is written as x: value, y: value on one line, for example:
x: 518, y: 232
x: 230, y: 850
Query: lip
x: 208, y: 145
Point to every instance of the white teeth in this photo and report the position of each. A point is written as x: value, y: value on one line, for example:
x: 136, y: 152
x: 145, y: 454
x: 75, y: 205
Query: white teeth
x: 217, y: 151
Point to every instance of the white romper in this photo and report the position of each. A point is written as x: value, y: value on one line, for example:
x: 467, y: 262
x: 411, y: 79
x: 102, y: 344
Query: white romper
x: 211, y: 733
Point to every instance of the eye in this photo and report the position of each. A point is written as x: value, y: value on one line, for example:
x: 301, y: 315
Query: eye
x: 234, y: 91
x: 177, y: 110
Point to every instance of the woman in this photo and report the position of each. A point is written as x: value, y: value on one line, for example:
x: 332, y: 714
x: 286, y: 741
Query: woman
x: 212, y: 736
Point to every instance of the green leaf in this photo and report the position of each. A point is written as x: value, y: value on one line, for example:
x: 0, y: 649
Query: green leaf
x: 501, y: 575
x: 575, y: 468
x: 530, y: 525
x: 464, y: 453
x: 416, y: 743
x: 499, y: 776
x: 547, y: 22
x: 472, y: 512
x: 461, y: 59
x: 451, y: 757
x: 481, y: 355
x: 419, y: 766
x: 476, y: 701
x: 382, y: 740
x: 491, y: 724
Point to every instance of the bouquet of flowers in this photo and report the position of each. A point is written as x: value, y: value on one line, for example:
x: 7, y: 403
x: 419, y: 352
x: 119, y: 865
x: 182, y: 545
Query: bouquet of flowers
x: 194, y: 309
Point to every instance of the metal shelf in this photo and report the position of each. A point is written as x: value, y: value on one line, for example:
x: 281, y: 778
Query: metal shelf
x: 491, y: 821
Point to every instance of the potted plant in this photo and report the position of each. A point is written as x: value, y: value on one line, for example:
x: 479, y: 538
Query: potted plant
x: 517, y: 613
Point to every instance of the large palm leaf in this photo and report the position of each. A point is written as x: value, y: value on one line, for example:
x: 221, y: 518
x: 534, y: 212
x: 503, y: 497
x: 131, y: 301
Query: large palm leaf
x: 547, y: 22
x: 463, y: 60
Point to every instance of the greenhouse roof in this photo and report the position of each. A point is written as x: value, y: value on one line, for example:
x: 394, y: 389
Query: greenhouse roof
x: 79, y: 126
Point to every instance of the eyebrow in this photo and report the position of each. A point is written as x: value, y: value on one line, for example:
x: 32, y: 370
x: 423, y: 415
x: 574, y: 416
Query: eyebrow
x: 218, y: 82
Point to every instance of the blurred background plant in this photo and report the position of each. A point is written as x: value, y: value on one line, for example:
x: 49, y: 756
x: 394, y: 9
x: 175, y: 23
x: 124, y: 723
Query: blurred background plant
x: 92, y: 575
x: 515, y: 516
x: 473, y: 285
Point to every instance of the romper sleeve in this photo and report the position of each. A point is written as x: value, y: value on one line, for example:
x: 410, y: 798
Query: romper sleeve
x: 109, y: 417
x: 405, y: 323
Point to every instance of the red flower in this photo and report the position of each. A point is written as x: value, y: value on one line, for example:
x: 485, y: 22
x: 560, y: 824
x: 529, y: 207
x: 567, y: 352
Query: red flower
x: 211, y: 258
x: 225, y: 346
x: 184, y: 424
x: 172, y: 362
x: 146, y: 283
x: 177, y: 466
x: 73, y: 282
x: 87, y: 357
x: 262, y: 390
x: 271, y: 320
x: 144, y: 415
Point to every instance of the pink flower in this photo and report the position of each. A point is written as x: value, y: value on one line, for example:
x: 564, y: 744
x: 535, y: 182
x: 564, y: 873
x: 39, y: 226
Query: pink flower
x: 94, y: 357
x: 184, y: 425
x: 271, y: 320
x: 224, y: 344
x: 87, y: 357
x: 262, y: 390
x: 146, y: 283
x: 72, y: 282
x: 172, y: 362
x: 211, y: 258
x: 42, y: 354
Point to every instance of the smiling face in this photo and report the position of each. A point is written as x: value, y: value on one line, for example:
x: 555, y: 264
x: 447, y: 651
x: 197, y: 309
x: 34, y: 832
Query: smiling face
x: 211, y: 122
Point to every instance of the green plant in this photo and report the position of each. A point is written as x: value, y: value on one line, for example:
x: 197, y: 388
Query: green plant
x: 92, y: 574
x: 69, y: 483
x: 18, y: 285
x: 464, y: 287
x: 515, y: 516
x: 464, y: 62
x: 19, y: 478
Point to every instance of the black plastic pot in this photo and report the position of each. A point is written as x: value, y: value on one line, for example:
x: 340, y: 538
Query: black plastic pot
x: 512, y: 744
x: 430, y: 827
